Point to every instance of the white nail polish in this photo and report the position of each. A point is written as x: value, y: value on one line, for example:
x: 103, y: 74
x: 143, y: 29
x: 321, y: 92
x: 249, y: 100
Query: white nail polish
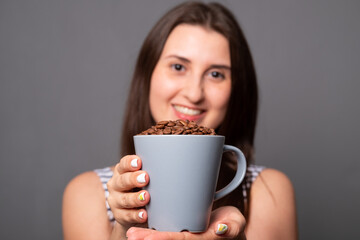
x: 141, y: 215
x: 141, y: 178
x: 221, y: 229
x: 134, y: 163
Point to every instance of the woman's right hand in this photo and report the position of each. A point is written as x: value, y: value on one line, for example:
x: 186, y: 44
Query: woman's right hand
x: 125, y: 201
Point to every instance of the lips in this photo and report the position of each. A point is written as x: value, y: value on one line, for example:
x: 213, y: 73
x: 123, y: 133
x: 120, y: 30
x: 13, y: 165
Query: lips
x: 187, y: 111
x: 191, y: 114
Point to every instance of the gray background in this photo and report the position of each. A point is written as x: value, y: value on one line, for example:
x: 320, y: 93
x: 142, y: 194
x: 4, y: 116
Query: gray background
x: 64, y: 75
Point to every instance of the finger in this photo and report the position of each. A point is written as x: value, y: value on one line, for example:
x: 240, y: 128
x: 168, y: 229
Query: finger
x: 227, y: 222
x: 135, y: 233
x: 230, y: 230
x: 128, y: 163
x: 130, y: 216
x: 128, y: 200
x: 149, y: 234
x: 128, y: 181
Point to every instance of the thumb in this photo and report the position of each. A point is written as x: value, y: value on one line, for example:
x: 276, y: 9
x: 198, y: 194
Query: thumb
x: 228, y: 222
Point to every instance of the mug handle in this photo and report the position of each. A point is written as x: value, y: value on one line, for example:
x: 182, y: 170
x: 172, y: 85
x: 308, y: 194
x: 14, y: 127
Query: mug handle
x: 240, y: 172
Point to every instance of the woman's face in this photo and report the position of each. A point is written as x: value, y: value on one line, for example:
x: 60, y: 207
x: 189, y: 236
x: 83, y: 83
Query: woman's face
x: 192, y: 79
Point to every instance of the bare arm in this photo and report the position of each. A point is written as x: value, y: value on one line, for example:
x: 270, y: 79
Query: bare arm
x: 272, y: 208
x: 84, y: 211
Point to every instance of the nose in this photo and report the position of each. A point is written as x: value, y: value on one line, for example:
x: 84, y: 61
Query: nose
x: 194, y: 90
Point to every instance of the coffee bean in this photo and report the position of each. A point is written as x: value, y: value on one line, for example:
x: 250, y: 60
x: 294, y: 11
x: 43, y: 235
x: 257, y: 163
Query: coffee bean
x: 171, y: 124
x: 183, y: 122
x: 160, y: 126
x: 178, y: 127
x: 178, y: 132
x: 167, y: 130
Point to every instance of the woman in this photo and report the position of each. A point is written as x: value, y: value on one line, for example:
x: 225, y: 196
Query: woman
x: 195, y: 64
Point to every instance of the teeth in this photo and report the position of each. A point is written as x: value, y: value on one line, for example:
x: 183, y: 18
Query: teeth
x: 187, y: 111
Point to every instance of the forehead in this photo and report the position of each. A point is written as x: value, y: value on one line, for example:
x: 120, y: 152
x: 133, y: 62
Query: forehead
x: 197, y: 42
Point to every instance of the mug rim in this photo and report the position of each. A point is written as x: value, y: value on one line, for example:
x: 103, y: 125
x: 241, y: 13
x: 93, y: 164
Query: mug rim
x: 177, y: 135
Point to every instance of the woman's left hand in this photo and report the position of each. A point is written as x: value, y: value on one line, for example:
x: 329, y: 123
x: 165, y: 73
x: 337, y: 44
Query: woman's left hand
x: 225, y: 223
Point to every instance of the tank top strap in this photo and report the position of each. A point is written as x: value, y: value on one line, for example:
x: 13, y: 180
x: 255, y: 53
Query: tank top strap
x: 252, y: 173
x: 105, y: 174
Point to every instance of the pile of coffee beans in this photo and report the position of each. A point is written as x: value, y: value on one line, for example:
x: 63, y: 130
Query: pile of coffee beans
x: 178, y: 127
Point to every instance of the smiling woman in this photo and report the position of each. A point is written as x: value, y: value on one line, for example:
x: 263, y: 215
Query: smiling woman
x: 195, y: 64
x: 192, y: 79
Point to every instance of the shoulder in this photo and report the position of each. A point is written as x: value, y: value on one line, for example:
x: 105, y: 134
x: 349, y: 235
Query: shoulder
x: 86, y: 185
x: 272, y: 181
x: 84, y: 181
x: 272, y: 206
x: 84, y: 205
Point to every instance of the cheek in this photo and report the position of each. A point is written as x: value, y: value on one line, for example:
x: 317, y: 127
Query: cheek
x: 162, y: 83
x: 162, y: 90
x: 220, y: 97
x: 155, y: 85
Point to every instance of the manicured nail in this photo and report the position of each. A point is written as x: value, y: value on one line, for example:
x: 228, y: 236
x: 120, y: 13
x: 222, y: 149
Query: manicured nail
x: 134, y: 163
x: 141, y: 178
x: 142, y: 196
x: 221, y: 229
x: 141, y: 215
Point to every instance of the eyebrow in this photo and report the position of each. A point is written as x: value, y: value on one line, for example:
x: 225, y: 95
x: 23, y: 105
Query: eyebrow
x: 187, y: 60
x: 178, y: 57
x: 220, y: 66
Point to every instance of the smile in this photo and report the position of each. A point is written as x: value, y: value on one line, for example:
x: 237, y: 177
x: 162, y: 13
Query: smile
x: 187, y: 111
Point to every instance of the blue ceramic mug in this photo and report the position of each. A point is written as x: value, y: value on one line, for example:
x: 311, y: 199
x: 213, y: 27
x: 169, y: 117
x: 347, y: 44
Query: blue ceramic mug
x: 183, y: 172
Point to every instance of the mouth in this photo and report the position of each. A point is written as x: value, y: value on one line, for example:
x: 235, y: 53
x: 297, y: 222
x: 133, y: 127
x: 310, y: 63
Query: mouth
x: 188, y: 113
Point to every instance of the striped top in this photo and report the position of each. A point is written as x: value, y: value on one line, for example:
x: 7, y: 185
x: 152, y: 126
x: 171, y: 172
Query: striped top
x: 106, y: 173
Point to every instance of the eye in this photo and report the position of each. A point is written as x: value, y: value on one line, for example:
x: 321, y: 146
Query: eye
x: 177, y: 67
x: 216, y: 74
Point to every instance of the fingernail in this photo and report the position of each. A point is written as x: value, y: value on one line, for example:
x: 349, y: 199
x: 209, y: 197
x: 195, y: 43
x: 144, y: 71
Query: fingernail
x: 141, y: 215
x: 134, y: 163
x: 221, y: 229
x: 142, y: 196
x: 141, y: 178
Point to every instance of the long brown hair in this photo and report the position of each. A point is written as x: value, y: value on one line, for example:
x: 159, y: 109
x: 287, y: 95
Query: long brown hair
x: 239, y: 123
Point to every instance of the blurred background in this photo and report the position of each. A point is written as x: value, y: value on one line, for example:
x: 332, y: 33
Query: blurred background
x: 65, y: 68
